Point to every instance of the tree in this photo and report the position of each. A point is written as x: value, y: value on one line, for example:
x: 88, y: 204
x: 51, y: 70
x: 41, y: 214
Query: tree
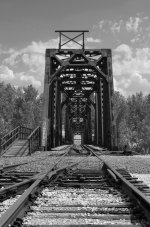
x: 23, y: 106
x: 136, y: 105
x: 28, y: 108
x: 119, y: 115
x: 19, y: 106
x: 7, y: 97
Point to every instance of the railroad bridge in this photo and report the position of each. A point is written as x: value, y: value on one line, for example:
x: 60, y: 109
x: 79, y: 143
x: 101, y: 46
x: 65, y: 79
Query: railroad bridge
x: 78, y: 94
x: 78, y: 100
x: 75, y: 189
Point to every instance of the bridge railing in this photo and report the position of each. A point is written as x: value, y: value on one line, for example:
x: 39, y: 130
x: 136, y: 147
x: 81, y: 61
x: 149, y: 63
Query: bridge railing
x: 19, y: 132
x: 34, y: 140
x: 25, y: 132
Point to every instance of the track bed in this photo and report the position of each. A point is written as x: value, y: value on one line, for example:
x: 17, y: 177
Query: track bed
x: 82, y: 198
x: 78, y: 190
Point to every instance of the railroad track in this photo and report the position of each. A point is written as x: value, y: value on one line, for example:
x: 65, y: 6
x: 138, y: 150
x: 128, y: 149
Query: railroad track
x: 13, y: 183
x: 9, y: 176
x: 77, y: 196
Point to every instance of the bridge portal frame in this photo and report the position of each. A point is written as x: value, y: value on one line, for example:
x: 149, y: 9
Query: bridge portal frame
x: 77, y: 70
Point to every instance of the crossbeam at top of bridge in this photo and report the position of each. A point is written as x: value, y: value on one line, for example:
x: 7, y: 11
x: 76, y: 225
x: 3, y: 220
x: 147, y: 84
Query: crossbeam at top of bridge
x: 81, y: 33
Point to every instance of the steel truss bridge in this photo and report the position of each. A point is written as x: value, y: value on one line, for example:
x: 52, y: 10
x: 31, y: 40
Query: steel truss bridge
x: 78, y: 94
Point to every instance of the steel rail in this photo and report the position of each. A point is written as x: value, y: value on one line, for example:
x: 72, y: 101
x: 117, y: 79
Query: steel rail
x: 58, y: 162
x: 18, y: 187
x: 63, y: 148
x: 18, y: 208
x: 33, y: 178
x: 21, y: 186
x: 10, y: 168
x: 133, y: 192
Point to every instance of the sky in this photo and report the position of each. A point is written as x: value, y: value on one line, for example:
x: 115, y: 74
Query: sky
x: 27, y: 28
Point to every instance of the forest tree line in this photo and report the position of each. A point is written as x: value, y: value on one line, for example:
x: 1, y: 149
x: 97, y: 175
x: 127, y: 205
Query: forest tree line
x: 19, y: 106
x: 132, y: 121
x: 23, y: 106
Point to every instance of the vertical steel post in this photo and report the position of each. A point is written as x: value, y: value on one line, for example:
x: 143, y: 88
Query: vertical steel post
x: 0, y: 146
x: 59, y: 40
x: 111, y: 97
x: 83, y: 41
x: 45, y: 122
x: 99, y: 108
x: 107, y: 115
x: 67, y: 126
x: 89, y: 130
x: 96, y: 120
x: 51, y: 116
x: 58, y: 115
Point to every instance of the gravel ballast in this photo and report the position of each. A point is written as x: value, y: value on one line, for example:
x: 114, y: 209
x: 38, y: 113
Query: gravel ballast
x: 143, y: 177
x: 43, y: 161
x: 139, y: 164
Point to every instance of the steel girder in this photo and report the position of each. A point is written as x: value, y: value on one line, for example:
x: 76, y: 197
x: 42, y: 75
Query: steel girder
x: 78, y: 87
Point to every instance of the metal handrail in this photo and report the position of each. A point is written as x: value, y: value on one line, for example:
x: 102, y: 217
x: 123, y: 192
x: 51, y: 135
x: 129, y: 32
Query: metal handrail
x: 34, y: 140
x: 5, y: 142
x: 9, y: 133
x: 20, y: 132
x: 25, y: 132
x: 9, y: 138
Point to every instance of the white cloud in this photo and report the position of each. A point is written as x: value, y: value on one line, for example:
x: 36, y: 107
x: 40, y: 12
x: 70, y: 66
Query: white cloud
x: 134, y: 29
x: 0, y: 49
x: 116, y: 26
x: 117, y: 86
x: 6, y: 51
x: 113, y: 26
x: 133, y: 24
x: 34, y: 61
x: 6, y: 74
x: 131, y: 68
x: 12, y: 59
x: 101, y: 24
x: 124, y: 50
x: 92, y: 40
x: 135, y: 39
x: 35, y: 48
x: 39, y: 47
x: 130, y: 61
x: 30, y: 79
x: 130, y: 84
